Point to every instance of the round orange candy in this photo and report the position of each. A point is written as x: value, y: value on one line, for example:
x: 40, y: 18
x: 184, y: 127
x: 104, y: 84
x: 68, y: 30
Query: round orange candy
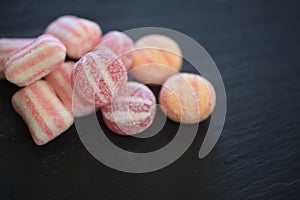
x: 187, y: 98
x: 155, y: 58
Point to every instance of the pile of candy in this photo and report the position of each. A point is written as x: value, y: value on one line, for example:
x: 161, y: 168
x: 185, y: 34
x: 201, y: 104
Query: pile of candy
x: 55, y: 90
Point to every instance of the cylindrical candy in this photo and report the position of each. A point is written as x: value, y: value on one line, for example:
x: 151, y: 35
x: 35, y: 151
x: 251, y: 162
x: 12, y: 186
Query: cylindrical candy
x: 35, y: 60
x: 131, y: 112
x: 120, y: 44
x: 8, y: 46
x: 42, y: 111
x: 77, y: 34
x: 60, y: 80
x: 98, y: 76
x: 187, y: 98
x: 155, y: 58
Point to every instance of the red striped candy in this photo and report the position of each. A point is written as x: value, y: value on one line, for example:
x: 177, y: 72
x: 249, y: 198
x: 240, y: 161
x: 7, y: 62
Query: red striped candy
x: 60, y: 80
x: 120, y: 44
x: 78, y: 35
x: 35, y: 60
x: 98, y: 76
x: 42, y: 111
x: 132, y: 112
x: 8, y: 46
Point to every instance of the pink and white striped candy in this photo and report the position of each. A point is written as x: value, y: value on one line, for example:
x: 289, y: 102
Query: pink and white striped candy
x: 35, y: 60
x: 8, y: 46
x: 77, y: 34
x: 60, y: 80
x: 42, y: 111
x: 98, y: 76
x: 132, y: 112
x: 120, y: 44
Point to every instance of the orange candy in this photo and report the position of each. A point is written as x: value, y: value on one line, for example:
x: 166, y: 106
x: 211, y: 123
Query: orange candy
x: 187, y: 98
x: 155, y: 58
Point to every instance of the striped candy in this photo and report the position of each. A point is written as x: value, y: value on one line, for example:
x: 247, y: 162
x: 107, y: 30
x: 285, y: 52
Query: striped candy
x: 120, y: 44
x: 60, y: 80
x: 187, y: 98
x: 131, y: 112
x: 155, y: 58
x: 8, y: 46
x: 78, y: 35
x: 42, y: 111
x: 98, y: 76
x: 35, y: 60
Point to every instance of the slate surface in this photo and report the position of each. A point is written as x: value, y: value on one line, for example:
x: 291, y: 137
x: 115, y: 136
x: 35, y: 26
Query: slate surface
x: 255, y: 44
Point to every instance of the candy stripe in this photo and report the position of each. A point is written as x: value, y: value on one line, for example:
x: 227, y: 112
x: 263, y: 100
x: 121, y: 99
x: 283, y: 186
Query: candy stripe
x: 104, y: 71
x: 35, y: 113
x: 35, y: 72
x: 38, y: 112
x: 62, y: 86
x: 40, y: 41
x: 48, y: 107
x: 60, y: 80
x: 64, y: 80
x: 134, y: 99
x: 8, y: 46
x: 69, y: 26
x: 78, y: 35
x: 35, y: 60
x: 167, y: 56
x: 44, y: 114
x: 22, y: 111
x: 131, y: 112
x: 94, y: 85
x: 125, y: 117
x: 98, y: 76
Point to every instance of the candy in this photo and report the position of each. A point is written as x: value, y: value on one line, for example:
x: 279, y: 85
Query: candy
x: 42, y: 111
x: 77, y: 34
x: 98, y: 76
x: 60, y: 80
x: 187, y: 98
x: 155, y: 58
x: 131, y: 112
x: 8, y: 46
x: 120, y: 44
x: 35, y: 60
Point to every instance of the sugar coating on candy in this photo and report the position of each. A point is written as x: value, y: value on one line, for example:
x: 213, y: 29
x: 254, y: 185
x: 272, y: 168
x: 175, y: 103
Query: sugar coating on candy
x: 35, y: 60
x: 42, y: 111
x: 120, y: 44
x: 155, y: 58
x: 77, y: 34
x: 98, y: 76
x: 131, y: 112
x: 8, y: 46
x: 60, y: 80
x: 187, y: 98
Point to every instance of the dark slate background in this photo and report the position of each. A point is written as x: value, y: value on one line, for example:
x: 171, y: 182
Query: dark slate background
x: 255, y: 44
